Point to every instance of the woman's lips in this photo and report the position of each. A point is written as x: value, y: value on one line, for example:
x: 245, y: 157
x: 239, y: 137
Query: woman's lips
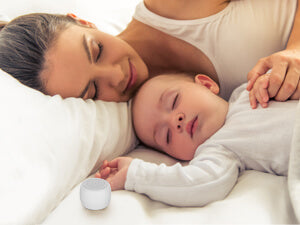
x: 132, y: 76
x: 192, y: 126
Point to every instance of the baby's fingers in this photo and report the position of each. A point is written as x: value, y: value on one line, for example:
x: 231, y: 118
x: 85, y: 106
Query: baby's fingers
x: 255, y: 97
x: 259, y: 92
x: 114, y: 163
x: 263, y: 94
x: 252, y: 99
x: 104, y: 164
x: 97, y: 175
x: 105, y: 172
x: 263, y: 98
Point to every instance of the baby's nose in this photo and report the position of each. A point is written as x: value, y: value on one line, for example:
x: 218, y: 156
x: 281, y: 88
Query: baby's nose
x: 179, y: 121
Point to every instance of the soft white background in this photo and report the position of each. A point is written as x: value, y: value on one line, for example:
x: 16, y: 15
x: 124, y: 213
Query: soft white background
x: 109, y: 15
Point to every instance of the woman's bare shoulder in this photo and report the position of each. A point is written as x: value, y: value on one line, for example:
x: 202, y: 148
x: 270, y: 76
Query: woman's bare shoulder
x: 185, y: 9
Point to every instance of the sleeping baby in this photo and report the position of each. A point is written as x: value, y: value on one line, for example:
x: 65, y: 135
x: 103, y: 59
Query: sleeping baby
x: 185, y: 118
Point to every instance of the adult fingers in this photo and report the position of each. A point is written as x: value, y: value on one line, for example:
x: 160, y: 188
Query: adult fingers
x: 261, y: 67
x: 296, y: 94
x: 277, y: 77
x: 289, y: 85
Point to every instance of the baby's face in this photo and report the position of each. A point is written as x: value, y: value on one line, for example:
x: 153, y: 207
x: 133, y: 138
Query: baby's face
x: 176, y: 114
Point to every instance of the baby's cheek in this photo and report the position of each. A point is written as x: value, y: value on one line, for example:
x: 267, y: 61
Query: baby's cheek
x: 184, y: 152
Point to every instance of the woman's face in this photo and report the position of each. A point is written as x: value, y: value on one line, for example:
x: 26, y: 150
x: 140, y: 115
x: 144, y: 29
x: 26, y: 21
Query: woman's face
x: 90, y: 64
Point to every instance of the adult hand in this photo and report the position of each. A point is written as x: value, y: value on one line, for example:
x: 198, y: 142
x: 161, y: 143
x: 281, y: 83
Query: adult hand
x: 284, y: 77
x: 115, y: 172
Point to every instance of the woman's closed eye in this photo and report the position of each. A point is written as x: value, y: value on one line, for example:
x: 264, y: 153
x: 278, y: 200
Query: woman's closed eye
x: 168, y: 136
x: 96, y: 91
x: 97, y: 50
x: 100, y: 47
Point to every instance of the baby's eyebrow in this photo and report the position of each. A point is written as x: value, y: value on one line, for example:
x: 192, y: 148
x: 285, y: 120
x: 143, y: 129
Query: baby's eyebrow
x: 162, y: 96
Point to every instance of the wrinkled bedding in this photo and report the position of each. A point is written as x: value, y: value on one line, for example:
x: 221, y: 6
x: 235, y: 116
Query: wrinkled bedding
x: 258, y: 198
x: 294, y: 168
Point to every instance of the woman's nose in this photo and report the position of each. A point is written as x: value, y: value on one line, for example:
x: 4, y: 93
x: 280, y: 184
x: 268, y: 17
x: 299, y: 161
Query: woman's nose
x: 179, y: 122
x: 112, y: 74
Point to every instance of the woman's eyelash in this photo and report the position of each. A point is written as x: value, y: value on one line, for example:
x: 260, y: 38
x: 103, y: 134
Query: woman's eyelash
x: 100, y: 46
x: 174, y: 102
x: 168, y: 136
x: 96, y: 91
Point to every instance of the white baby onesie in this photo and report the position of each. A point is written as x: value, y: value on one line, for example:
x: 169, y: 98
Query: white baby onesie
x: 257, y: 139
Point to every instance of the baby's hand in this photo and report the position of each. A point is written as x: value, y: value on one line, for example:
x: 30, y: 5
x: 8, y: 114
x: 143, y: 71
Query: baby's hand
x: 115, y: 172
x: 284, y: 80
x: 259, y: 92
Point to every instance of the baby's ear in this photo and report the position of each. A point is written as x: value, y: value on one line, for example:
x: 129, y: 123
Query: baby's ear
x: 207, y: 82
x: 81, y: 21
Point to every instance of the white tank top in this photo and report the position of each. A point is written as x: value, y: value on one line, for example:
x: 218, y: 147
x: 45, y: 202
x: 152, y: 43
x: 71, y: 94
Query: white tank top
x: 233, y: 39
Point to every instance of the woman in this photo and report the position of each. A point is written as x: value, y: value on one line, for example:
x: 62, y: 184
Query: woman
x: 222, y: 39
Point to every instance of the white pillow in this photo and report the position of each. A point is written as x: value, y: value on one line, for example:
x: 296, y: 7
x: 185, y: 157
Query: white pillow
x: 4, y: 17
x: 49, y: 144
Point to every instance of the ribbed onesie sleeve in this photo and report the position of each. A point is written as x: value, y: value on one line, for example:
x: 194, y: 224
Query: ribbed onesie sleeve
x: 209, y: 177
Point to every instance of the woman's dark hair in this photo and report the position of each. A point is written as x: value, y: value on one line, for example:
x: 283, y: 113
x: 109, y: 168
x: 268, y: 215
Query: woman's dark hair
x: 24, y: 42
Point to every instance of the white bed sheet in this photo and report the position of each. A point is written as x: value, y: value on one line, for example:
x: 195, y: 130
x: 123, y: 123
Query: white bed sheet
x: 258, y: 198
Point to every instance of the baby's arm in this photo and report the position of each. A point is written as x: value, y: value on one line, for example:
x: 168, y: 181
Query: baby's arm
x: 208, y: 177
